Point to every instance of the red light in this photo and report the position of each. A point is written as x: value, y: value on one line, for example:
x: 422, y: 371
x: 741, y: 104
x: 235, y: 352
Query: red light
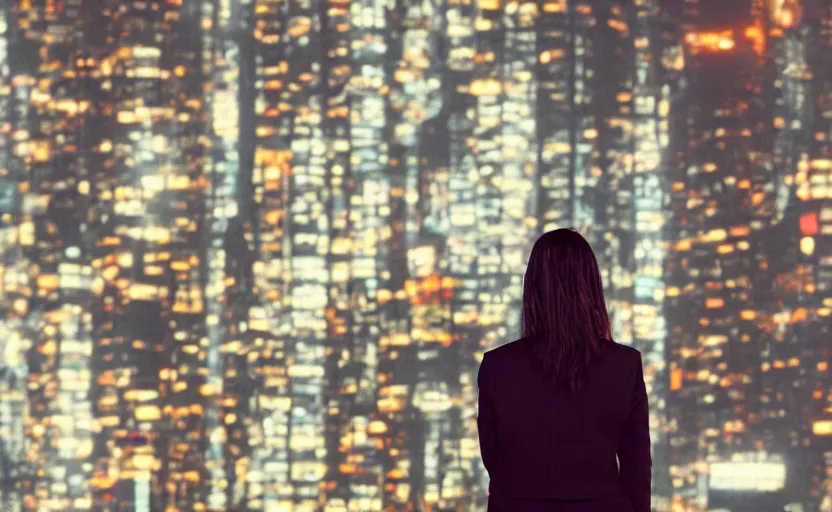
x: 809, y: 224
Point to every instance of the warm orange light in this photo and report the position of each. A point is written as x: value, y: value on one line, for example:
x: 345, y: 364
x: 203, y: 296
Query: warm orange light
x: 786, y: 18
x: 753, y: 32
x: 756, y: 34
x: 711, y: 41
x: 486, y: 87
x: 714, y: 303
x: 740, y: 230
x: 748, y: 314
x: 489, y: 5
x: 822, y: 428
x: 725, y: 44
x: 676, y: 378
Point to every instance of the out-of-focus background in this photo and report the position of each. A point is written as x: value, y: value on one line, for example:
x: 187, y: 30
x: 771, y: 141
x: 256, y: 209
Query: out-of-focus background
x: 252, y: 251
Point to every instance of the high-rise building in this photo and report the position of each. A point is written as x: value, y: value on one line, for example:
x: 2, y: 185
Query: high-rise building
x: 813, y: 181
x: 57, y: 341
x: 720, y: 265
x: 111, y: 230
x: 14, y: 305
x: 285, y: 206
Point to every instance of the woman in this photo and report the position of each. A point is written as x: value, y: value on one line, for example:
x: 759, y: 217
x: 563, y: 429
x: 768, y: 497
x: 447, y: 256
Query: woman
x: 557, y: 406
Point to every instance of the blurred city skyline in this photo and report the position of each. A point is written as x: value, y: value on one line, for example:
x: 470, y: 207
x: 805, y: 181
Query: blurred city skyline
x: 252, y: 251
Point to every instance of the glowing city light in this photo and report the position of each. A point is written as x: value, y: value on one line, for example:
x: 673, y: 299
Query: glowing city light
x: 711, y: 41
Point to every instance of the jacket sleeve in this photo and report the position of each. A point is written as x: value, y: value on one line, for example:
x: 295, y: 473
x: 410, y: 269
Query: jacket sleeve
x: 634, y: 449
x: 486, y: 420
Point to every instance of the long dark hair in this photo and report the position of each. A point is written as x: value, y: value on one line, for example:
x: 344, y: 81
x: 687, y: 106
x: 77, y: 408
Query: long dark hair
x: 564, y: 308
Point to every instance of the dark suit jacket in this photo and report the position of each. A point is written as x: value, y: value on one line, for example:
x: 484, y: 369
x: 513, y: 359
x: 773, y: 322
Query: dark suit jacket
x: 544, y: 442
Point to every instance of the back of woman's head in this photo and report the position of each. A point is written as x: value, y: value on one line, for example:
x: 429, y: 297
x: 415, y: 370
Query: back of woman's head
x: 564, y: 308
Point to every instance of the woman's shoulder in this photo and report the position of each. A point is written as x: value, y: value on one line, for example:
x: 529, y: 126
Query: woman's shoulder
x: 627, y: 351
x: 621, y: 355
x: 508, y: 349
x: 520, y: 348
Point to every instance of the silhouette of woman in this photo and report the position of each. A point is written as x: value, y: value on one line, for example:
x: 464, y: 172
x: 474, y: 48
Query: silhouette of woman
x: 560, y: 409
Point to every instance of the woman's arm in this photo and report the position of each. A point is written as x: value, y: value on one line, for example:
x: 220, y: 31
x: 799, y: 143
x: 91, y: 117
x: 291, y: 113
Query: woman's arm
x: 634, y: 450
x: 486, y: 419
